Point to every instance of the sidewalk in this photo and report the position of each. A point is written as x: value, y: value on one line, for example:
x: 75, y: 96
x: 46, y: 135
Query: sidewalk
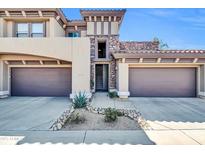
x: 74, y: 137
x: 138, y: 137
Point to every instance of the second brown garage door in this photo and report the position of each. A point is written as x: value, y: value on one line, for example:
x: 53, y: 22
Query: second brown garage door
x: 162, y: 82
x: 40, y: 81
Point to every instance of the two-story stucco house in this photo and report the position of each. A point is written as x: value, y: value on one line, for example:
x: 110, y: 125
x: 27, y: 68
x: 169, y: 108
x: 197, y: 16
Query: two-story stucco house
x: 42, y: 53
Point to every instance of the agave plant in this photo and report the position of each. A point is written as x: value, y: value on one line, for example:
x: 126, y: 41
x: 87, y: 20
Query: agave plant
x: 80, y: 100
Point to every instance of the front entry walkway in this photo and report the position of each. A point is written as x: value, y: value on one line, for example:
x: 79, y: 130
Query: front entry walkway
x: 102, y: 100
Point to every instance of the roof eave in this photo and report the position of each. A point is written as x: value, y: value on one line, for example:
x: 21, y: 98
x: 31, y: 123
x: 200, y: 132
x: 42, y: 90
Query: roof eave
x: 57, y: 10
x: 118, y: 13
x: 158, y: 55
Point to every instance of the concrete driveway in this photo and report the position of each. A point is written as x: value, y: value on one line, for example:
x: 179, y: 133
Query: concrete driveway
x: 173, y: 120
x: 184, y: 110
x: 31, y: 113
x: 166, y: 109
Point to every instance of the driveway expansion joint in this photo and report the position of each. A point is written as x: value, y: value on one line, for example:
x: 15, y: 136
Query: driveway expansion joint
x: 84, y: 136
x: 190, y: 137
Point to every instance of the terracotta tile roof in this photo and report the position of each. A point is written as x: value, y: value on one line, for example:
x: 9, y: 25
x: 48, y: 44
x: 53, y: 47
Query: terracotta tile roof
x: 76, y: 22
x: 162, y: 51
x: 150, y: 47
x: 182, y: 51
x: 160, y: 54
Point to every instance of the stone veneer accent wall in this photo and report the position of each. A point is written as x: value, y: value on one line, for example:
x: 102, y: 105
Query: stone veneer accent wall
x: 113, y: 46
x: 135, y: 46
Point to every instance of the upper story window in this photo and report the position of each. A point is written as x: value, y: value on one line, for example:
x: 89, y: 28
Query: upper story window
x: 102, y: 49
x: 74, y: 34
x: 22, y: 30
x: 37, y: 30
x: 30, y: 29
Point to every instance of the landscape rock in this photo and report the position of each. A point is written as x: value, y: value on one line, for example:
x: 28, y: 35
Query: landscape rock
x: 55, y: 128
x: 133, y: 114
x: 72, y: 110
x: 59, y: 126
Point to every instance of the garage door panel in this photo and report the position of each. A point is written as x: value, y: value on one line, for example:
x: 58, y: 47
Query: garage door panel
x: 165, y: 82
x: 41, y: 81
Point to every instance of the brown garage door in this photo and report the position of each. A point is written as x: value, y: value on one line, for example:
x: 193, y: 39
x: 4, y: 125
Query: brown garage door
x: 40, y: 81
x: 164, y: 82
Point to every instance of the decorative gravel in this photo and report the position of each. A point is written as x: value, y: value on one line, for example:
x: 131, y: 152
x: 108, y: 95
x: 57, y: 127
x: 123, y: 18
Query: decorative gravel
x: 94, y: 121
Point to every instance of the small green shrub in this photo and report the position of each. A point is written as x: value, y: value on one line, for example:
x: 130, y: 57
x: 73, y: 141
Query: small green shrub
x: 76, y: 118
x: 110, y: 115
x: 120, y: 114
x: 112, y: 94
x: 80, y: 100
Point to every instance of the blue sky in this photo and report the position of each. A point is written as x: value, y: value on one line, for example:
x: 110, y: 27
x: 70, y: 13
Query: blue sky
x: 179, y: 28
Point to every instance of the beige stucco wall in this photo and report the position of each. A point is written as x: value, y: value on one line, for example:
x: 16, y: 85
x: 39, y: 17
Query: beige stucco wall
x: 99, y: 28
x: 202, y: 75
x: 3, y: 77
x: 10, y: 31
x: 114, y: 28
x: 47, y: 23
x: 105, y: 26
x: 201, y: 81
x: 81, y: 66
x: 57, y: 47
x: 123, y: 80
x: 83, y: 33
x: 90, y: 28
x: 55, y: 30
x: 1, y: 27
